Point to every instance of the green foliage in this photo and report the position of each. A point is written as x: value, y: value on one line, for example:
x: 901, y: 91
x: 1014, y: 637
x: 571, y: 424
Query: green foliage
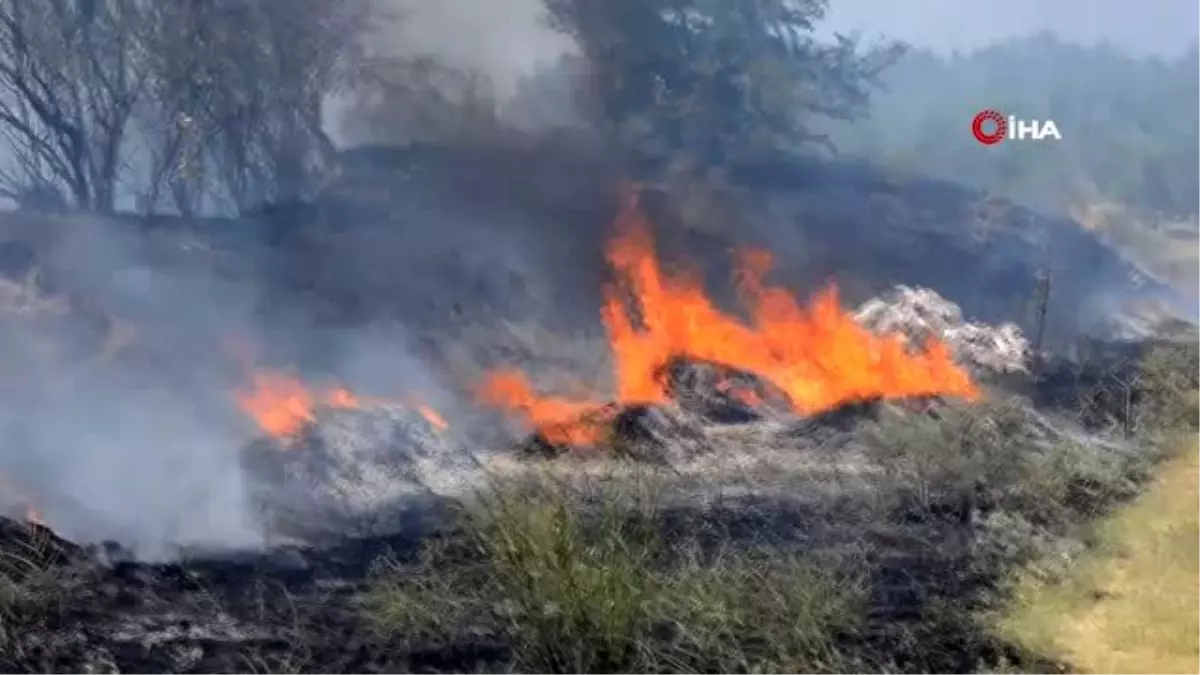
x: 579, y: 604
x: 987, y: 457
x: 1168, y: 374
x: 716, y: 78
x: 573, y: 589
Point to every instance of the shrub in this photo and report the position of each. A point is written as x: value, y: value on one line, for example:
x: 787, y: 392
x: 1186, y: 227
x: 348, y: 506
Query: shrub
x: 1169, y: 375
x: 567, y: 588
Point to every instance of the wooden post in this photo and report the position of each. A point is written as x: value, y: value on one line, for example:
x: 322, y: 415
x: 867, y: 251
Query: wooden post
x: 1043, y: 301
x: 1128, y: 410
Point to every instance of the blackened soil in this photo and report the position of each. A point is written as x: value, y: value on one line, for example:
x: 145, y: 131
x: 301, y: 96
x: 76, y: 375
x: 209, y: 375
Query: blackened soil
x: 73, y: 609
x: 300, y: 610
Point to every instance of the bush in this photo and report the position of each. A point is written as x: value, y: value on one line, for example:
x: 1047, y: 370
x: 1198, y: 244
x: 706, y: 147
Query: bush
x: 998, y: 455
x: 571, y: 589
x: 1169, y: 375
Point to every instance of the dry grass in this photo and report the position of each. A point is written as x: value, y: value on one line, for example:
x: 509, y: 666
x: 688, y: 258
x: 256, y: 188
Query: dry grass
x: 1131, y: 605
x: 32, y: 594
x: 986, y: 456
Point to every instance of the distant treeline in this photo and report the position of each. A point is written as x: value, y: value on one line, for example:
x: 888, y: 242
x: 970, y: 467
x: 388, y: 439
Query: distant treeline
x: 1129, y: 124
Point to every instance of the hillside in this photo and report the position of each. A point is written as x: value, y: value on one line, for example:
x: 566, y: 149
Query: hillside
x: 864, y: 229
x: 392, y: 238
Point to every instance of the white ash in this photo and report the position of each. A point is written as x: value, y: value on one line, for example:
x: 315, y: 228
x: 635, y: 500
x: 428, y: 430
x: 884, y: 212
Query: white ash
x: 348, y: 465
x: 920, y: 313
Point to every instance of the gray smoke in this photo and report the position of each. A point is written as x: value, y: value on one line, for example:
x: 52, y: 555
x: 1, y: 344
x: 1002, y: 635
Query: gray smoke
x: 143, y: 445
x: 503, y: 40
x: 138, y: 449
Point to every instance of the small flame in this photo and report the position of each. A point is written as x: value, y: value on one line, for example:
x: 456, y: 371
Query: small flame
x: 819, y: 357
x: 558, y: 420
x: 31, y: 515
x: 435, y: 420
x: 282, y: 404
x: 342, y: 398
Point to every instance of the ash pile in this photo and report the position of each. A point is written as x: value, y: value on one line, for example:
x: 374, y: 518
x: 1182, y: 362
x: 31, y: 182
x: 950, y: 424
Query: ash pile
x: 352, y: 472
x: 920, y: 313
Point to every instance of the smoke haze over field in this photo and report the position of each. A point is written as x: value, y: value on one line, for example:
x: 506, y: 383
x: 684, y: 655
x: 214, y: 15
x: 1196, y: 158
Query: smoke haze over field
x: 143, y: 451
x: 1164, y: 27
x: 506, y: 38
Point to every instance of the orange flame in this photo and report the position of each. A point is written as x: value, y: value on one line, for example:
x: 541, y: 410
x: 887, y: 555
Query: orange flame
x: 820, y: 357
x: 558, y: 420
x: 281, y: 404
x: 435, y: 420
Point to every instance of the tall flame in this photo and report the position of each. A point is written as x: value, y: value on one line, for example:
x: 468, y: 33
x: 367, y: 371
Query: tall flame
x: 819, y: 356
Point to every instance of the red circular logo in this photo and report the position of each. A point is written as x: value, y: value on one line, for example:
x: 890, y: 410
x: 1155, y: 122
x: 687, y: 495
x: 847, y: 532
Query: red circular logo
x: 997, y: 120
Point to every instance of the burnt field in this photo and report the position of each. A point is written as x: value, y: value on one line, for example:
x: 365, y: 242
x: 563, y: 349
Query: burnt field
x: 809, y: 425
x: 698, y: 533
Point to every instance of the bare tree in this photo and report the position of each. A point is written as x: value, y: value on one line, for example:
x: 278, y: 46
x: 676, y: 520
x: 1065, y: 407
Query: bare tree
x: 405, y: 99
x: 239, y: 100
x: 204, y: 102
x: 71, y: 76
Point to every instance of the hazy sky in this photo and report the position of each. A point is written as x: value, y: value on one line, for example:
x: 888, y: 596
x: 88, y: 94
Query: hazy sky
x: 505, y: 37
x: 1150, y: 26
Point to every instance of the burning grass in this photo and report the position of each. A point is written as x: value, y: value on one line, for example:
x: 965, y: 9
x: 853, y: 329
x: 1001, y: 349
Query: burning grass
x: 818, y: 358
x: 877, y: 544
x: 891, y: 569
x: 281, y: 404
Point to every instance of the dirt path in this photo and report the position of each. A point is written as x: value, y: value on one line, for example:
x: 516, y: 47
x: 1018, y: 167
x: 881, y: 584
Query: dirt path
x: 1135, y: 601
